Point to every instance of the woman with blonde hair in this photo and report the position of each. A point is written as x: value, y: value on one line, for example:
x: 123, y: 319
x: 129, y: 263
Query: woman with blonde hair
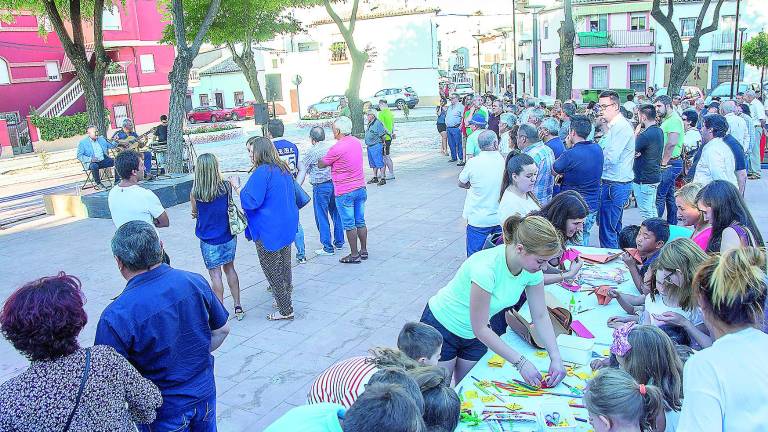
x: 726, y: 385
x: 269, y: 203
x: 488, y: 282
x: 688, y: 214
x: 209, y: 200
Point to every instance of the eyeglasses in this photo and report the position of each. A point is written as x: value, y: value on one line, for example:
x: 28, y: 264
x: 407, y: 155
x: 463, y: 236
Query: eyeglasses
x: 602, y: 106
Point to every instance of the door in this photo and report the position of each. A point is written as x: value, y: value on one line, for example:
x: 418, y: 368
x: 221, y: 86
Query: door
x: 724, y: 73
x: 638, y: 77
x: 219, y: 99
x: 188, y: 103
x: 121, y: 113
x: 18, y: 133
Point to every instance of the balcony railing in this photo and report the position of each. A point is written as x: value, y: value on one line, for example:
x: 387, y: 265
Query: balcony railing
x: 194, y: 75
x: 723, y: 40
x: 115, y: 81
x: 615, y: 39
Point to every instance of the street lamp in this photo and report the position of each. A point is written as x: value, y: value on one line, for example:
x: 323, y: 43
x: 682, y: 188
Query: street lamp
x: 741, y: 46
x: 735, y: 41
x: 479, y: 78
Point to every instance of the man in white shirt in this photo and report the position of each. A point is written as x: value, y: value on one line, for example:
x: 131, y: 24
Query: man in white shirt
x: 737, y: 127
x: 757, y: 110
x: 482, y: 177
x: 618, y: 144
x: 717, y: 161
x: 630, y: 105
x: 128, y: 201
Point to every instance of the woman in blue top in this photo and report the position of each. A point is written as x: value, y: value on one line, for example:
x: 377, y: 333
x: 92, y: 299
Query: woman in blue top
x: 488, y: 282
x: 269, y: 203
x: 209, y: 200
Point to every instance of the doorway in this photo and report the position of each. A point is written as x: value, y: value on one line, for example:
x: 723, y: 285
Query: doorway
x: 219, y: 99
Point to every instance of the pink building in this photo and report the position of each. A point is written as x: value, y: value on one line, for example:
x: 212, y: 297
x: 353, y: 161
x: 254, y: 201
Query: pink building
x: 35, y: 72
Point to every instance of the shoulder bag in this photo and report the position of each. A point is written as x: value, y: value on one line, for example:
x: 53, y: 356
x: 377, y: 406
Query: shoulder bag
x: 83, y: 380
x: 237, y: 220
x: 302, y: 197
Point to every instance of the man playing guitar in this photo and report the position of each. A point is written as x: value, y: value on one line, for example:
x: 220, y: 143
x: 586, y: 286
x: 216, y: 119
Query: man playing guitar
x: 128, y: 138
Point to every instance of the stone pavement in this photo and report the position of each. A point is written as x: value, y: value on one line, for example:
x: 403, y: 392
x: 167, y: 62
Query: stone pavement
x: 416, y: 242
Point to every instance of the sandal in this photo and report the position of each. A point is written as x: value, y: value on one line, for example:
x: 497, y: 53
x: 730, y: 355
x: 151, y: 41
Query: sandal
x: 350, y: 259
x: 277, y: 316
x: 239, y: 313
x: 373, y: 180
x: 364, y: 255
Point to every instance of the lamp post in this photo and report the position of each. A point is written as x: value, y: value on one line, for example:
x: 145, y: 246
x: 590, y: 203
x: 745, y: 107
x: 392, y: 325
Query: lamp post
x: 735, y: 41
x: 741, y: 46
x: 514, y: 46
x: 479, y: 78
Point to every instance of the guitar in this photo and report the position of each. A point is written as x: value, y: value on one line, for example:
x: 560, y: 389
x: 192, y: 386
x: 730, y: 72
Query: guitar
x: 132, y: 142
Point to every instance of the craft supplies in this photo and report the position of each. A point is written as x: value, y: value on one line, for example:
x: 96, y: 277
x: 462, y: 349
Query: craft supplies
x: 571, y: 285
x: 556, y: 417
x: 580, y: 330
x: 600, y: 258
x: 598, y: 273
x: 572, y: 305
x: 575, y: 349
x: 496, y: 361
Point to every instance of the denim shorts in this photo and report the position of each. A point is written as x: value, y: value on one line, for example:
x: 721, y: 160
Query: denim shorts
x: 351, y: 207
x: 376, y: 156
x: 454, y: 346
x: 219, y: 254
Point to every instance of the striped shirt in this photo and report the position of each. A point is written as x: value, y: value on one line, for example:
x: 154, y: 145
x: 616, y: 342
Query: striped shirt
x: 343, y: 382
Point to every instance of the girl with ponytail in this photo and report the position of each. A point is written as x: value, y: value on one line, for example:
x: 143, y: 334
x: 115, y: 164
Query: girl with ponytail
x: 488, y: 282
x: 726, y: 385
x: 616, y: 402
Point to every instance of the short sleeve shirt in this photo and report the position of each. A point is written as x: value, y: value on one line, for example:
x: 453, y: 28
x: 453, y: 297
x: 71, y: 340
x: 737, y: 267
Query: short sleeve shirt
x: 323, y: 417
x: 484, y: 173
x: 162, y: 323
x: 650, y: 144
x: 545, y: 181
x: 346, y: 161
x: 673, y: 124
x: 309, y: 163
x: 133, y: 203
x: 488, y: 269
x: 473, y: 148
x: 375, y: 133
x: 289, y: 153
x: 582, y: 167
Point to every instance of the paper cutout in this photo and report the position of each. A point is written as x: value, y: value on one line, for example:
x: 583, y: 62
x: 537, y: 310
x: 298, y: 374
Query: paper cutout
x: 487, y: 399
x: 601, y: 292
x: 634, y: 253
x: 541, y: 354
x: 569, y: 255
x: 600, y: 258
x: 496, y: 361
x: 466, y: 405
x: 471, y: 394
x: 580, y: 330
x: 570, y: 286
x: 610, y: 274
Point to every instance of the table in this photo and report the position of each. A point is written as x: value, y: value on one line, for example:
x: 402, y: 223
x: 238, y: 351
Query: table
x: 594, y: 317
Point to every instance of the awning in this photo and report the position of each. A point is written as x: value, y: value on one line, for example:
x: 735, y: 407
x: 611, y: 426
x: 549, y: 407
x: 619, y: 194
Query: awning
x: 66, y: 64
x: 644, y: 6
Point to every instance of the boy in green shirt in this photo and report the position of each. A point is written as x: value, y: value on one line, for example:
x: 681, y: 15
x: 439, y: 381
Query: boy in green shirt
x: 671, y: 162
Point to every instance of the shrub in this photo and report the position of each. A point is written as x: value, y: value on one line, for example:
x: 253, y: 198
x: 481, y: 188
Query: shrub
x: 62, y: 126
x: 212, y: 128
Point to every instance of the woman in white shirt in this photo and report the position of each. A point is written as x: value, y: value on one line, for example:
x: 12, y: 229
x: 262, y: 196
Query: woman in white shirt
x: 516, y: 187
x: 726, y: 385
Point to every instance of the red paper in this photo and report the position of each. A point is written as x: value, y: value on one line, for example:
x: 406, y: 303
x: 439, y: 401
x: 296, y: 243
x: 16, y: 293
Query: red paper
x: 601, y: 292
x: 600, y: 258
x: 634, y: 253
x: 580, y: 330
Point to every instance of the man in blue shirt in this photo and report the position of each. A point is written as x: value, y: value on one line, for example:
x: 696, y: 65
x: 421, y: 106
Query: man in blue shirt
x: 290, y: 154
x: 549, y: 132
x: 166, y: 322
x: 581, y: 167
x: 93, y: 153
x: 126, y: 137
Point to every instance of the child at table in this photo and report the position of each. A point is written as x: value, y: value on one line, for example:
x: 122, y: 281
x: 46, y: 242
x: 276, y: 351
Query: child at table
x: 418, y: 344
x: 441, y: 403
x: 653, y: 233
x: 688, y: 214
x: 671, y: 299
x: 650, y: 356
x: 628, y: 237
x: 616, y: 402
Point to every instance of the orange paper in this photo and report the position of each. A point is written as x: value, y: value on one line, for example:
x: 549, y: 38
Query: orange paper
x: 600, y: 258
x: 634, y: 253
x: 601, y: 292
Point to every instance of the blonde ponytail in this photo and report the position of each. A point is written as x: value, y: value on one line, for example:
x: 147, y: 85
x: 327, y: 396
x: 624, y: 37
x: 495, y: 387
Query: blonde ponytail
x: 614, y: 394
x: 537, y: 235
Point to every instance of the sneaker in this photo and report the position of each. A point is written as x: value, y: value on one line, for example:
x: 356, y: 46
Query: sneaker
x: 382, y: 182
x: 462, y: 163
x: 390, y: 177
x: 373, y: 180
x: 301, y: 260
x: 323, y: 252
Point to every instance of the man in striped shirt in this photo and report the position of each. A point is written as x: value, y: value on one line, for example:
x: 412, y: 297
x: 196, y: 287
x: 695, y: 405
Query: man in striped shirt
x: 418, y: 344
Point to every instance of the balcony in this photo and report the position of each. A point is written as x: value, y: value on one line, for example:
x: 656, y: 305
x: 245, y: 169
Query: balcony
x: 722, y: 40
x: 194, y: 77
x: 614, y: 41
x: 116, y: 83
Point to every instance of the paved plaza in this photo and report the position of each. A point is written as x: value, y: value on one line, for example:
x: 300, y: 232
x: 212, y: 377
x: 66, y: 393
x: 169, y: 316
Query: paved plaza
x: 416, y: 242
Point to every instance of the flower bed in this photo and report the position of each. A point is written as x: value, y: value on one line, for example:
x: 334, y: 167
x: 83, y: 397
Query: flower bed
x: 215, y: 127
x: 213, y: 133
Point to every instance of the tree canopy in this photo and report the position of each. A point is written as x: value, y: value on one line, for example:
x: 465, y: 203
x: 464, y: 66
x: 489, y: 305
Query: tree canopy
x: 755, y: 50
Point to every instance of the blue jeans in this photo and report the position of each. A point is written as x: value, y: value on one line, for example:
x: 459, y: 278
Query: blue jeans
x: 299, y: 241
x: 665, y: 196
x: 351, y: 206
x: 476, y: 237
x: 324, y: 205
x: 612, y: 199
x: 200, y: 417
x: 645, y: 195
x: 148, y: 162
x: 454, y: 143
x: 589, y: 222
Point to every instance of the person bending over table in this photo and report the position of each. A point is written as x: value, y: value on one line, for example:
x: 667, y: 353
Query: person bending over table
x: 485, y: 284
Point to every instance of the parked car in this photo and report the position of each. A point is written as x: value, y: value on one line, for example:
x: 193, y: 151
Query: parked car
x: 689, y: 93
x: 208, y: 114
x: 396, y: 97
x: 243, y: 110
x: 329, y: 104
x: 464, y: 89
x: 724, y: 90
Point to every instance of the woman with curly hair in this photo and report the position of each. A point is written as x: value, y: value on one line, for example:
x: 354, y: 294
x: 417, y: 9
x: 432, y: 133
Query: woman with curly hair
x: 67, y: 387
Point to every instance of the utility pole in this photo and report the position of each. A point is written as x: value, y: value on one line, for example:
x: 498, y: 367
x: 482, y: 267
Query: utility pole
x: 735, y: 41
x: 514, y: 46
x: 741, y: 46
x: 479, y: 78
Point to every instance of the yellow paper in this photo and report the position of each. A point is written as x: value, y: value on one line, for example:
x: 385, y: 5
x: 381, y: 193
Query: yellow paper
x: 487, y: 399
x: 541, y: 354
x: 513, y: 406
x: 496, y: 361
x: 606, y: 352
x: 466, y: 405
x: 470, y: 394
x: 583, y: 376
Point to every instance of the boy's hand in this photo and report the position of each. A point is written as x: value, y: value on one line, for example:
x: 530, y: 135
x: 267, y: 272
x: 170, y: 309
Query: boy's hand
x: 618, y: 321
x: 628, y: 259
x: 613, y: 293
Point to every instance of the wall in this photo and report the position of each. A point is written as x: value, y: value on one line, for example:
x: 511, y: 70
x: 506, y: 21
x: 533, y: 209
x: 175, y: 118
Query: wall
x: 226, y: 84
x: 147, y: 106
x: 140, y: 20
x: 163, y: 58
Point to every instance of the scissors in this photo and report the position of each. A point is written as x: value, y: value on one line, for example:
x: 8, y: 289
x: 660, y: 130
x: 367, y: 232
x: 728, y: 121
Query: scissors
x: 552, y: 419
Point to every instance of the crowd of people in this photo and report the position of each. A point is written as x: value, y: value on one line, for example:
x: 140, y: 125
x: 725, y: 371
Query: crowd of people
x: 688, y: 354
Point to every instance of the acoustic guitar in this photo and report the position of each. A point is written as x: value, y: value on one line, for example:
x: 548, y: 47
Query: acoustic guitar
x: 132, y: 142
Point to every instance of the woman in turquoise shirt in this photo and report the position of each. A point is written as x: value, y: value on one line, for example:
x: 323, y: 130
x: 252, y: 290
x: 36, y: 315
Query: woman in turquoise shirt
x: 487, y: 283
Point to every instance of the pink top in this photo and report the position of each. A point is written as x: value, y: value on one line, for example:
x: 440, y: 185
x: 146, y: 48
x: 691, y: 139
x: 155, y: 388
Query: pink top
x: 702, y: 238
x: 346, y: 161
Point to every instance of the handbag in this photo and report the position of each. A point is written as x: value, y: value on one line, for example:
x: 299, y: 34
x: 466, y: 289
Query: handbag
x: 302, y: 197
x: 561, y: 323
x: 83, y: 380
x: 237, y: 220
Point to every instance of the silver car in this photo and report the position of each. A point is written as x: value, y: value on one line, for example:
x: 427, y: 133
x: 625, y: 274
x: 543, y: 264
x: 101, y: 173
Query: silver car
x: 396, y: 97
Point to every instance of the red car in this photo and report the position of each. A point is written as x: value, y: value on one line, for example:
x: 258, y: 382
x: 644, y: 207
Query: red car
x: 208, y: 114
x: 242, y: 111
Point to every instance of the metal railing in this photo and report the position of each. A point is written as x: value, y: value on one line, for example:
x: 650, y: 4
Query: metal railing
x: 194, y: 75
x: 615, y: 39
x: 57, y: 106
x: 723, y: 40
x: 115, y: 81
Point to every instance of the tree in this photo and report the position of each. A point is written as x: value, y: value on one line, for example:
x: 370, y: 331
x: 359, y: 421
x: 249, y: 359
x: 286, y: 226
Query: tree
x: 359, y: 59
x: 187, y: 47
x: 90, y: 72
x: 564, y: 70
x: 684, y: 62
x: 240, y: 24
x: 755, y: 53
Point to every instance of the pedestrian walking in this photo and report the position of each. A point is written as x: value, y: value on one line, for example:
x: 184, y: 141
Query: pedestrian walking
x: 375, y: 135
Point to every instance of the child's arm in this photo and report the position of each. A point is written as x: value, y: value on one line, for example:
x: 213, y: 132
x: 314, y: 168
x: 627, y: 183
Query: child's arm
x: 697, y: 333
x: 627, y: 301
x: 634, y: 271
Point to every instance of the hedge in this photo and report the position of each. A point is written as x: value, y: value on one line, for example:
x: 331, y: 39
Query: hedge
x: 62, y: 126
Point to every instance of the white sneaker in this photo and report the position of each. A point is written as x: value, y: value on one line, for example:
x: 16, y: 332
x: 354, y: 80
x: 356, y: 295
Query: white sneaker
x: 323, y: 252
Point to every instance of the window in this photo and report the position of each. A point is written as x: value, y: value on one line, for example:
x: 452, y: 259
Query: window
x: 687, y: 27
x: 274, y: 63
x: 308, y: 46
x: 339, y: 52
x: 239, y: 98
x: 147, y: 63
x: 52, y: 70
x: 599, y: 77
x: 727, y: 22
x: 638, y: 77
x: 274, y: 87
x: 546, y: 30
x: 110, y: 19
x: 204, y: 100
x: 637, y: 22
x: 598, y: 23
x: 5, y: 75
x: 547, y: 78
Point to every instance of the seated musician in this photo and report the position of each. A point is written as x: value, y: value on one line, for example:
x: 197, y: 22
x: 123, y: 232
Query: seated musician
x: 161, y: 139
x: 92, y: 151
x: 128, y: 138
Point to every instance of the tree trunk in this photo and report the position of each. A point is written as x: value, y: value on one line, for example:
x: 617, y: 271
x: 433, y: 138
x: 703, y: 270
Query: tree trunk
x: 353, y: 92
x: 677, y: 75
x: 247, y: 65
x: 762, y: 79
x: 564, y: 71
x: 178, y: 78
x: 92, y: 82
